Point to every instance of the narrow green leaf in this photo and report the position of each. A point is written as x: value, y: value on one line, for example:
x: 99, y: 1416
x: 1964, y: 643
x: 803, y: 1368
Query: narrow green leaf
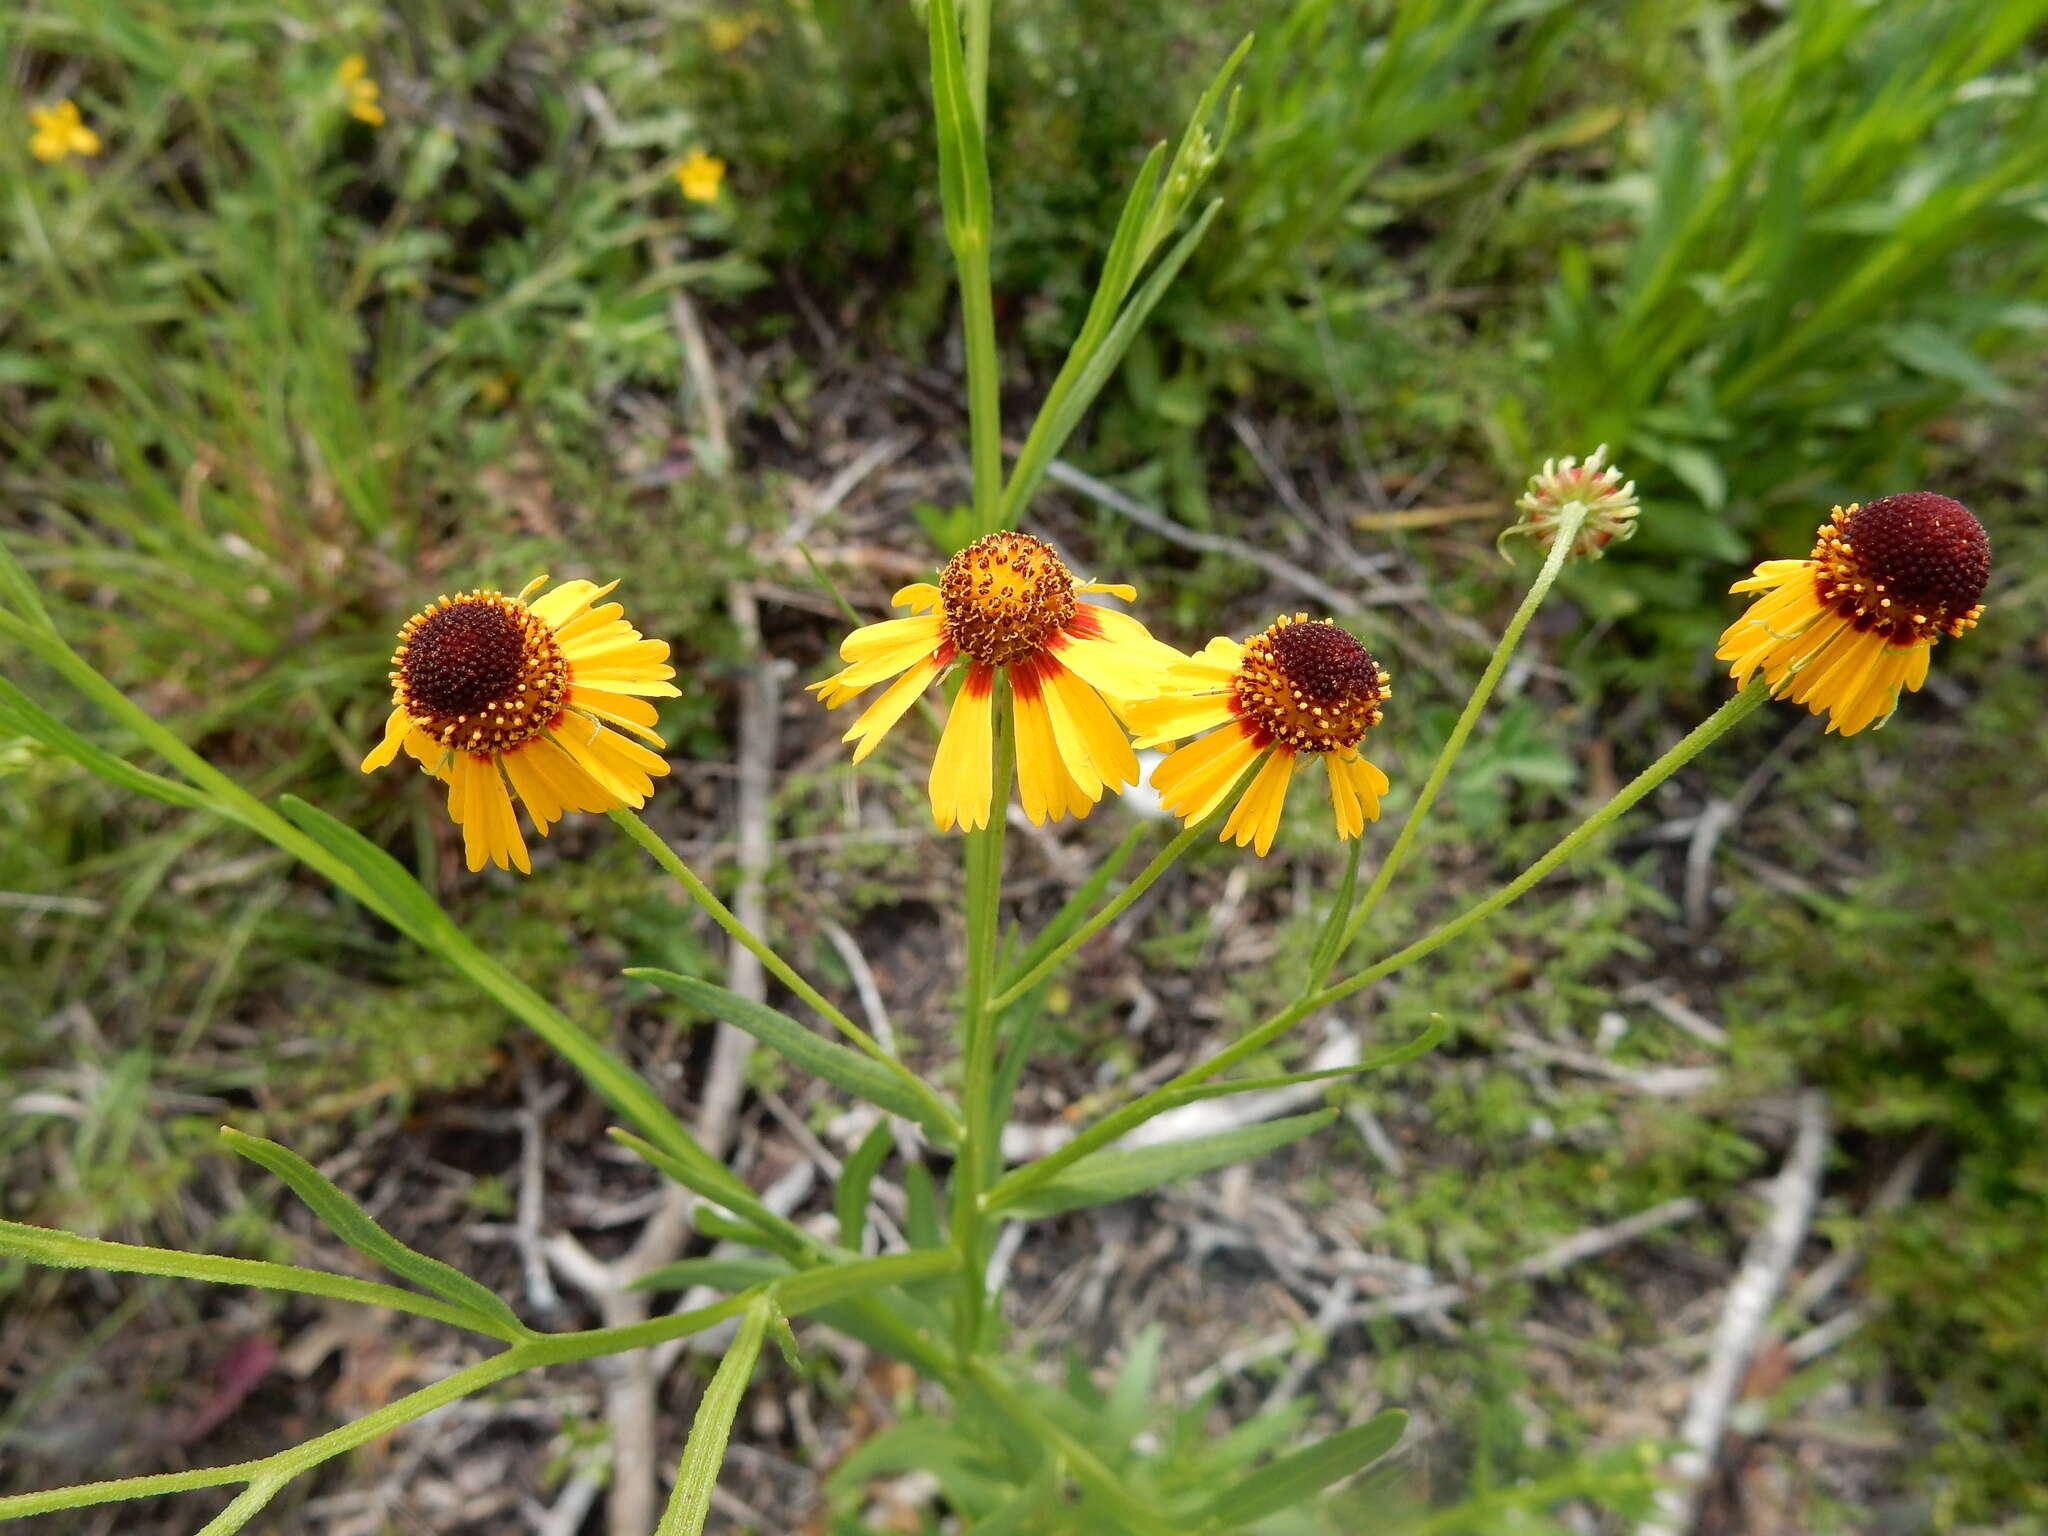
x: 722, y: 1274
x: 704, y: 1174
x: 921, y: 1216
x: 406, y: 901
x: 722, y: 1228
x: 1428, y: 1040
x: 704, y: 1452
x: 1292, y: 1480
x: 1027, y: 474
x: 830, y: 1284
x: 18, y: 590
x: 1119, y: 1174
x: 839, y: 1065
x: 856, y: 1178
x: 64, y: 1250
x: 352, y: 1224
x: 18, y: 712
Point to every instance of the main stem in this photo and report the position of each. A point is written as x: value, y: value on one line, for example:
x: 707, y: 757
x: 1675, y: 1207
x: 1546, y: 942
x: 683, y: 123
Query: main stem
x: 1563, y: 537
x: 1107, y: 914
x: 984, y: 874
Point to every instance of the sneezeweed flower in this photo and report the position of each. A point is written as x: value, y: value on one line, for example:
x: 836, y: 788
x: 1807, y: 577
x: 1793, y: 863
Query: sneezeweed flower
x: 725, y: 33
x: 61, y: 132
x: 1006, y: 604
x: 486, y: 688
x: 1300, y: 688
x: 1846, y: 628
x: 361, y: 90
x: 700, y: 176
x: 1610, y: 504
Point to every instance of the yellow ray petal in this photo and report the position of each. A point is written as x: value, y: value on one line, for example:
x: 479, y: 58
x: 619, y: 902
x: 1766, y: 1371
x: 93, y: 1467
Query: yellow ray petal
x: 1256, y: 816
x: 624, y: 769
x: 635, y: 715
x: 1772, y: 573
x: 1121, y: 671
x: 918, y: 597
x: 543, y: 800
x: 1355, y: 790
x: 556, y: 608
x: 1173, y: 716
x: 396, y: 724
x: 1110, y: 758
x: 879, y: 717
x: 966, y: 757
x: 570, y: 781
x: 1193, y: 780
x: 892, y: 637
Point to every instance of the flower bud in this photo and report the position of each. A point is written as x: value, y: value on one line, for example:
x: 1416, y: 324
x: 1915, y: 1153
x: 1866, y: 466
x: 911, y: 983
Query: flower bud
x: 1610, y: 506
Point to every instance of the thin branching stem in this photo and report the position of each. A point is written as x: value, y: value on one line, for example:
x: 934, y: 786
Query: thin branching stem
x: 1563, y: 537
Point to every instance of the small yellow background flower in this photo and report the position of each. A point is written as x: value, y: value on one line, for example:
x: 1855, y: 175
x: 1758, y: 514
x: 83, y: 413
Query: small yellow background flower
x: 363, y: 92
x: 725, y: 33
x: 61, y: 132
x: 700, y: 175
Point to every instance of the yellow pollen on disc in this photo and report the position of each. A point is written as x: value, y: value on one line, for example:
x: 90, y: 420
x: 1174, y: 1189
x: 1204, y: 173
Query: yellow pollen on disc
x: 1309, y: 685
x: 1903, y: 535
x: 479, y: 657
x: 1004, y: 596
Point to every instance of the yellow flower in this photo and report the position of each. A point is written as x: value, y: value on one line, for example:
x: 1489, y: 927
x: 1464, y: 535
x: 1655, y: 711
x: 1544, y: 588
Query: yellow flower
x: 486, y: 688
x: 363, y: 92
x: 725, y: 33
x: 1299, y: 687
x: 699, y: 176
x: 1007, y: 604
x: 61, y: 132
x: 1849, y: 626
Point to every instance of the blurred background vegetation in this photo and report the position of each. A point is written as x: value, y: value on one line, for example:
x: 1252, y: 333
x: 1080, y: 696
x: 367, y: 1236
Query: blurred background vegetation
x: 270, y: 376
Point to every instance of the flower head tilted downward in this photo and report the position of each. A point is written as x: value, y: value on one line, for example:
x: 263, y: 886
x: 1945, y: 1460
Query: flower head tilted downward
x: 487, y: 688
x: 1006, y: 604
x: 1849, y: 626
x: 1300, y: 687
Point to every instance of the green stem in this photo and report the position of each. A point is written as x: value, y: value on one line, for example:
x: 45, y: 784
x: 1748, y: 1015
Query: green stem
x: 974, y: 27
x: 610, y: 1076
x: 1110, y: 911
x: 638, y: 830
x: 1139, y: 1110
x: 1563, y: 537
x: 1089, y: 1469
x: 984, y: 873
x: 267, y: 1475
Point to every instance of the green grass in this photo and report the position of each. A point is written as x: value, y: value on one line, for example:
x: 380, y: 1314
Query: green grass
x: 270, y: 378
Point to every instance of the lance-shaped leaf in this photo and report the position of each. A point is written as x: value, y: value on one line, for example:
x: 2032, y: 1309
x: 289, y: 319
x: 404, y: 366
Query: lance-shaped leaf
x: 704, y: 1452
x: 1293, y: 1480
x: 18, y: 712
x: 706, y: 1176
x: 839, y: 1065
x: 406, y: 902
x: 353, y: 1225
x: 1120, y: 1173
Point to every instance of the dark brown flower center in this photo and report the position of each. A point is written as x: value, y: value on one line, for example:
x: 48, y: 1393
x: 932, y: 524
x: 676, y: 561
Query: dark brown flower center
x: 1910, y: 566
x: 1310, y: 686
x: 480, y: 672
x: 1003, y: 597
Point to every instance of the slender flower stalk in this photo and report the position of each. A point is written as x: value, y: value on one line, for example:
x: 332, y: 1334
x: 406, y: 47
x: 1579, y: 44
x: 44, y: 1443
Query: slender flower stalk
x: 983, y: 858
x: 1563, y: 539
x: 1112, y: 1126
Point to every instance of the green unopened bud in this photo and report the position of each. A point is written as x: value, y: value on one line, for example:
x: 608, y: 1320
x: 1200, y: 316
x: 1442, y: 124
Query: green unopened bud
x: 1607, y: 506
